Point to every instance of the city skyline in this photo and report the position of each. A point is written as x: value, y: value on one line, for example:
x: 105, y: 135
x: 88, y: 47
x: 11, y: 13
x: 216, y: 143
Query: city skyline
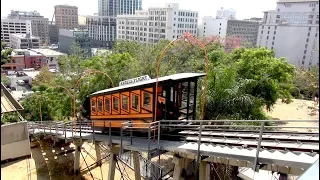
x: 204, y: 7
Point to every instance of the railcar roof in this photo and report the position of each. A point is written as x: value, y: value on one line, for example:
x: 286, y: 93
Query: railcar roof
x: 179, y: 76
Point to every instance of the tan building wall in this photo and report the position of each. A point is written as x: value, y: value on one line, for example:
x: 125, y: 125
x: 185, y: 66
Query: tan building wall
x: 15, y: 141
x: 66, y: 17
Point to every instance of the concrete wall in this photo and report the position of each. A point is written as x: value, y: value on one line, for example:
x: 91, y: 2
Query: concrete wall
x: 65, y: 43
x: 15, y: 141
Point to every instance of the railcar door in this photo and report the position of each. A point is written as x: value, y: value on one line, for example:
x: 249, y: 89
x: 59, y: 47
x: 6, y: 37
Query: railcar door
x: 185, y: 99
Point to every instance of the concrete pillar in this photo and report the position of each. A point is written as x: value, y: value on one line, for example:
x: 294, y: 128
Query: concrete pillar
x: 203, y: 170
x: 180, y: 166
x: 136, y: 165
x: 114, y: 150
x: 78, y: 143
x: 98, y: 152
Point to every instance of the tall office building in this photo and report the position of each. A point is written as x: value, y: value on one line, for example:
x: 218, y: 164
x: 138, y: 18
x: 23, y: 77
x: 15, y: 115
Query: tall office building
x: 245, y: 30
x: 226, y: 14
x: 167, y: 22
x: 102, y: 31
x: 39, y: 24
x: 13, y: 26
x: 292, y: 30
x: 118, y: 7
x: 66, y: 17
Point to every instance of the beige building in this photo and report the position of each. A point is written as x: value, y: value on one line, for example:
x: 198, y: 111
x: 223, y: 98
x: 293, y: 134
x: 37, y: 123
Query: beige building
x: 66, y: 17
x: 39, y: 24
x: 24, y: 41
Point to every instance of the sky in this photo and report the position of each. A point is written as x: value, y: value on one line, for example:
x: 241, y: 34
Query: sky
x: 244, y: 8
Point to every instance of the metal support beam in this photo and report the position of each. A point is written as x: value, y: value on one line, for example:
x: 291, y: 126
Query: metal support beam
x: 98, y: 152
x: 114, y: 151
x: 180, y: 165
x: 78, y: 143
x: 203, y: 170
x: 136, y: 165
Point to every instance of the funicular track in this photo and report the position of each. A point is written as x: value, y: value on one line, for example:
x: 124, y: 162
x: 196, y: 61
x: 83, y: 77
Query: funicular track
x: 224, y: 141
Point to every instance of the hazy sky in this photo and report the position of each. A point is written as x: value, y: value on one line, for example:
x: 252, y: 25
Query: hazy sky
x: 244, y: 8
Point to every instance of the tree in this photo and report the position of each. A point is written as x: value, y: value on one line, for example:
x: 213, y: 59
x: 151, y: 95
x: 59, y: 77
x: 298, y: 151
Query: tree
x: 306, y: 82
x: 5, y: 53
x: 44, y: 77
x: 242, y: 83
x: 10, y: 117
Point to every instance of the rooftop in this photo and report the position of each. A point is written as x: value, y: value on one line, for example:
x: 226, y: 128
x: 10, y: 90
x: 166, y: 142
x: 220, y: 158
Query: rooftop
x: 24, y: 36
x: 296, y: 1
x: 47, y: 52
x: 179, y: 76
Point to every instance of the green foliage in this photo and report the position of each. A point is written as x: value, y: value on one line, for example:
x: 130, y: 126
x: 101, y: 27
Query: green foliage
x: 5, y: 80
x: 10, y: 117
x: 5, y: 53
x: 240, y: 84
x: 306, y: 83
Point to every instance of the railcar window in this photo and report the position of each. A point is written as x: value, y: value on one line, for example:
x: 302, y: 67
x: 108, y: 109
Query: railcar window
x: 107, y: 104
x: 93, y: 106
x: 146, y: 100
x: 125, y: 101
x: 115, y: 104
x: 100, y: 103
x: 135, y: 102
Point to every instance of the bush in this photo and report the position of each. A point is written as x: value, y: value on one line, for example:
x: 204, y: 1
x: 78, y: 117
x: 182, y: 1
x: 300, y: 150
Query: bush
x: 10, y: 117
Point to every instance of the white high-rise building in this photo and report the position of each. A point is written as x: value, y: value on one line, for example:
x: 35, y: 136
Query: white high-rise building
x: 102, y: 31
x: 168, y: 22
x: 226, y: 14
x: 245, y: 31
x: 292, y: 30
x: 118, y: 7
x: 14, y: 26
x: 39, y: 24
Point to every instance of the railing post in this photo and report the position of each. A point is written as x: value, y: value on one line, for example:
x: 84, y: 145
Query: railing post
x: 50, y: 128
x: 159, y: 130
x: 198, y: 153
x: 80, y: 127
x: 131, y: 132
x: 110, y: 142
x: 121, y: 134
x: 258, y: 149
x: 149, y: 137
x: 65, y: 131
x: 72, y: 129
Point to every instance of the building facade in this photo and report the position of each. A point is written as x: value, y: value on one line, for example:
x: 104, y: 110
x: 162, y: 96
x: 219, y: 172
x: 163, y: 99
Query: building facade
x: 292, y: 31
x: 16, y: 63
x: 24, y: 41
x: 209, y: 26
x: 245, y: 31
x: 102, y: 31
x: 39, y: 24
x: 226, y: 14
x: 66, y: 17
x: 32, y: 58
x: 118, y: 7
x: 67, y: 38
x: 13, y: 26
x: 51, y: 57
x: 53, y: 33
x: 150, y: 26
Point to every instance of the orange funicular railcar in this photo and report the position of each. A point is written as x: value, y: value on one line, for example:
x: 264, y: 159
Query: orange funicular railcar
x: 134, y: 100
